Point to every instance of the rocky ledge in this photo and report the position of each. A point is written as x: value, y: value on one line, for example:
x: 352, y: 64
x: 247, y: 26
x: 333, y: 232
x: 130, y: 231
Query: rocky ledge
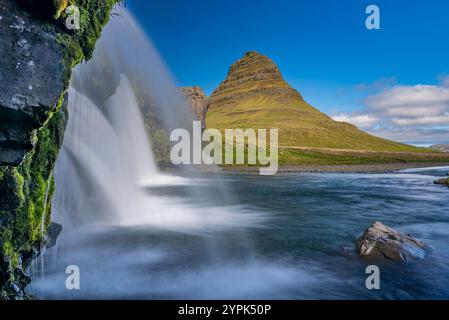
x: 381, y: 243
x: 31, y: 77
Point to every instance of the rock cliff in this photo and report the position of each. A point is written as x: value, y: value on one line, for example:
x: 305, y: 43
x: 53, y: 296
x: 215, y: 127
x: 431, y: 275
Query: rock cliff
x: 198, y: 100
x: 37, y: 54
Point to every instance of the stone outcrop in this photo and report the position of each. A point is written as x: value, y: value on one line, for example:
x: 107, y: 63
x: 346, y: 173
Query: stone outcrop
x: 442, y: 181
x: 31, y: 79
x: 37, y: 54
x: 381, y: 243
x: 199, y: 102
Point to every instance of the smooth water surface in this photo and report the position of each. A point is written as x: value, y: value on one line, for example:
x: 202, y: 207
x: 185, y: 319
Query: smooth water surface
x: 283, y: 237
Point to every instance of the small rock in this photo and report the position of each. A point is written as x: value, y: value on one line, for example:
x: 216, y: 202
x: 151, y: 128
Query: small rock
x: 443, y: 181
x: 381, y: 243
x: 54, y: 230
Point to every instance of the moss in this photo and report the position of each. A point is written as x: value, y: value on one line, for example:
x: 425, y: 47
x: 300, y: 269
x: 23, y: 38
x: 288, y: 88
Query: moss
x: 27, y: 185
x: 60, y: 6
x: 78, y: 45
x: 26, y: 188
x: 9, y: 251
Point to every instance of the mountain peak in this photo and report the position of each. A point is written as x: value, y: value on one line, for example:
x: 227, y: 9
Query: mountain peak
x: 253, y: 73
x: 253, y: 53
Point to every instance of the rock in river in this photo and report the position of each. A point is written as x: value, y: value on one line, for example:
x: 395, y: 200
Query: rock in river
x: 381, y: 243
x: 443, y: 181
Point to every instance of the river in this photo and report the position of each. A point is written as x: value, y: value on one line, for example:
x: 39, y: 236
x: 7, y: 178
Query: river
x: 289, y: 236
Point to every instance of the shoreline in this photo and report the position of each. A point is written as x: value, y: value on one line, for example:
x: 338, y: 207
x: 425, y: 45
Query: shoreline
x: 343, y: 168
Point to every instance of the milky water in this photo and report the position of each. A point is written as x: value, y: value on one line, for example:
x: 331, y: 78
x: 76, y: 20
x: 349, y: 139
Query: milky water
x: 299, y: 225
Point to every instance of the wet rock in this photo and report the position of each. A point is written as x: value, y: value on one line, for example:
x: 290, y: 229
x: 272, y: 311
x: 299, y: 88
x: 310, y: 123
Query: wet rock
x: 54, y: 230
x: 31, y: 58
x: 381, y: 243
x: 443, y: 181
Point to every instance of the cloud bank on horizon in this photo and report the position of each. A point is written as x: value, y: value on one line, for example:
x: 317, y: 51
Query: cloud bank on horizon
x: 416, y: 114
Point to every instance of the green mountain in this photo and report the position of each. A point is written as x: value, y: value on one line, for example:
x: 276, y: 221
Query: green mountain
x: 255, y: 95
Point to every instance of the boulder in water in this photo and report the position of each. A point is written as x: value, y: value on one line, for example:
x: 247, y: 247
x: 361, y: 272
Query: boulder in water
x: 381, y: 243
x: 443, y: 181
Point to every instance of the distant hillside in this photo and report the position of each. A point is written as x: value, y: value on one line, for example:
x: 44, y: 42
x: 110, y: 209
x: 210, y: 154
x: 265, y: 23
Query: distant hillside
x: 255, y: 95
x: 440, y: 147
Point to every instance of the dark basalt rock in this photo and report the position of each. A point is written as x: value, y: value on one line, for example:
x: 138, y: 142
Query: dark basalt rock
x: 54, y: 230
x: 381, y: 243
x: 31, y: 79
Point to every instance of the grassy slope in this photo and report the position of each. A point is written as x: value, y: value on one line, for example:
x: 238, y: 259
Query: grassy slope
x: 301, y: 125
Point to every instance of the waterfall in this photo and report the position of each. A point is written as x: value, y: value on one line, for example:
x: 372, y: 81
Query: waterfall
x: 103, y: 157
x: 109, y: 187
x: 106, y: 163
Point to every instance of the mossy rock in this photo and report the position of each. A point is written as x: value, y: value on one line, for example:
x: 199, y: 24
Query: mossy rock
x: 27, y: 185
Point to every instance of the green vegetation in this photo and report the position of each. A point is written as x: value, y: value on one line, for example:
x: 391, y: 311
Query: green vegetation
x: 78, y: 45
x: 319, y: 157
x: 308, y: 137
x: 27, y: 189
x: 299, y: 124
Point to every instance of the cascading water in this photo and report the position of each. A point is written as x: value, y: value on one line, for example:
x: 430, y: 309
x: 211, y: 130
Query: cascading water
x: 107, y: 181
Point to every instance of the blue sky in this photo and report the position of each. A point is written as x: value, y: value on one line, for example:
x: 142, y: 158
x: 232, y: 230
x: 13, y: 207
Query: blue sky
x: 369, y: 77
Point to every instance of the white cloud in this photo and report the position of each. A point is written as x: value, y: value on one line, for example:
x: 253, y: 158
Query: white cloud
x: 426, y: 120
x: 417, y: 136
x: 410, y: 101
x: 361, y: 121
x: 405, y: 112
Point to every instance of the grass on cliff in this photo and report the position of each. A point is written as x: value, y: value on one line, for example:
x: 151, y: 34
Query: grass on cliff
x: 302, y: 126
x: 299, y: 124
